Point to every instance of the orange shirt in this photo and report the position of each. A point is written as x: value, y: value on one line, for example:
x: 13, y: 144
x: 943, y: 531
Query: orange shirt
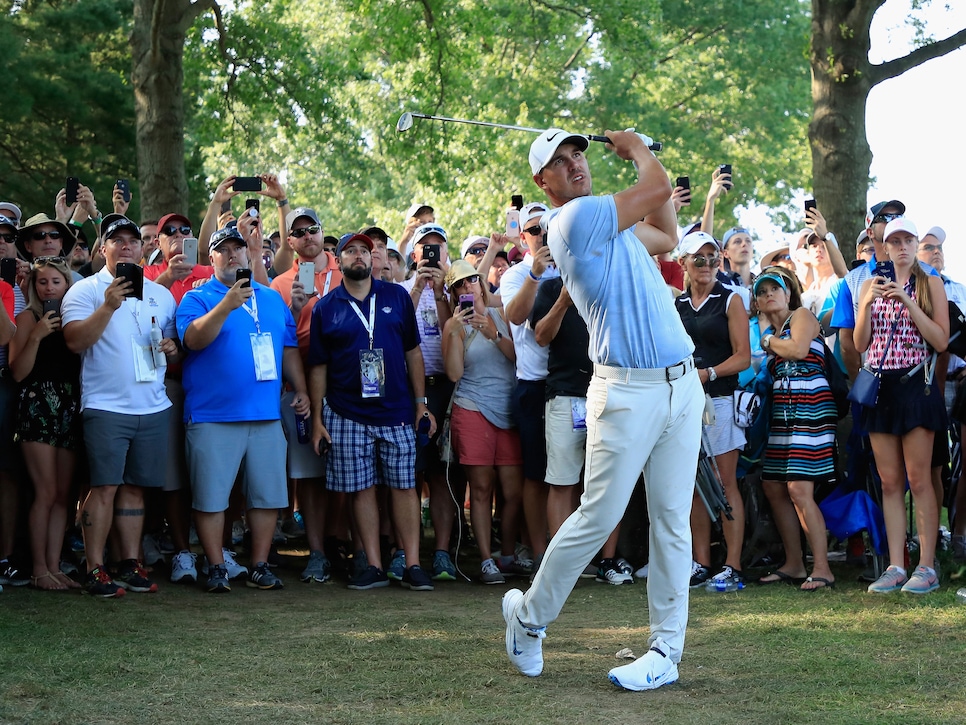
x: 326, y: 280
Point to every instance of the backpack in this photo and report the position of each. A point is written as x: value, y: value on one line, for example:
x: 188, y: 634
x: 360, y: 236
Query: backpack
x: 837, y: 382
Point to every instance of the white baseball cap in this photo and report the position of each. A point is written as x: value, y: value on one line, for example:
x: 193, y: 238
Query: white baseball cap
x: 694, y: 241
x: 899, y: 225
x: 543, y: 149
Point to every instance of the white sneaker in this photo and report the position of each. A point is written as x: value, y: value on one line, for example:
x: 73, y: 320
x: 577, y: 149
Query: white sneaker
x: 152, y: 552
x: 655, y: 669
x: 523, y: 645
x: 235, y: 570
x: 183, y: 568
x: 642, y: 572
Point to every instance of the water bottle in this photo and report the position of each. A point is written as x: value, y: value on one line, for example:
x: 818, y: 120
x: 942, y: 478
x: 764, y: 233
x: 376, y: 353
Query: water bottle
x: 422, y: 431
x: 961, y: 595
x: 728, y: 585
x: 302, y: 428
x: 159, y: 360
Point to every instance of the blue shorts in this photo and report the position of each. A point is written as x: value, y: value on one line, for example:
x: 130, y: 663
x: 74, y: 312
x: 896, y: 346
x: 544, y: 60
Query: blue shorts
x: 124, y: 448
x: 529, y: 409
x: 216, y: 451
x: 363, y: 455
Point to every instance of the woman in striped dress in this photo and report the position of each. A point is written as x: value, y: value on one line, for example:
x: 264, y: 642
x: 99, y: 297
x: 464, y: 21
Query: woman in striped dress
x: 801, y: 443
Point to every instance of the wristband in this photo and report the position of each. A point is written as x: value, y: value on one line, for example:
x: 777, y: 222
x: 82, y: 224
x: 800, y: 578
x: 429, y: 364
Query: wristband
x: 534, y: 277
x: 76, y: 224
x: 281, y: 203
x: 422, y: 401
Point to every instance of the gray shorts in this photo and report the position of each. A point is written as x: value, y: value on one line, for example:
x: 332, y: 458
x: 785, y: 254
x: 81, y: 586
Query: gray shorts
x: 216, y: 451
x: 124, y: 448
x: 177, y: 477
x: 302, y: 460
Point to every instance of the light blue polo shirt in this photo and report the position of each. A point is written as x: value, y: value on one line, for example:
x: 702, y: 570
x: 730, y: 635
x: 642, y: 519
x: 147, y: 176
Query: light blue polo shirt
x: 616, y: 287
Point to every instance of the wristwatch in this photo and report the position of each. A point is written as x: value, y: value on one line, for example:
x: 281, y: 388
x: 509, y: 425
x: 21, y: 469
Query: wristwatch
x: 766, y: 341
x: 499, y: 335
x: 712, y: 375
x: 424, y: 401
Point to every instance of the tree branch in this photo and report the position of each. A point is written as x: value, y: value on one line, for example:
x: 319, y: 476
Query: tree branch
x: 893, y: 68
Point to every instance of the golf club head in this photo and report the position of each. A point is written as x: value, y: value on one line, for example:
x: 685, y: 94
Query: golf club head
x: 405, y: 122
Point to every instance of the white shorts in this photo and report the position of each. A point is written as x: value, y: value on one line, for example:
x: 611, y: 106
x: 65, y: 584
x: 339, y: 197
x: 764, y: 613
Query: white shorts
x: 724, y: 435
x: 565, y: 446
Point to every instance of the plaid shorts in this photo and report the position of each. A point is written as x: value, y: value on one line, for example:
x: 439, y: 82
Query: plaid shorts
x: 364, y: 455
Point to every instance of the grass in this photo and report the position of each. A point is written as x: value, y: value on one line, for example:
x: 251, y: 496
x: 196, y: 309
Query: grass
x: 322, y: 653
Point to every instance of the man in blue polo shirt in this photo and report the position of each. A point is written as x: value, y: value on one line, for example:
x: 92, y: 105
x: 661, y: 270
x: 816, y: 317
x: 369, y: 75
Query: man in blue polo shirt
x: 240, y: 342
x: 644, y: 402
x: 365, y: 366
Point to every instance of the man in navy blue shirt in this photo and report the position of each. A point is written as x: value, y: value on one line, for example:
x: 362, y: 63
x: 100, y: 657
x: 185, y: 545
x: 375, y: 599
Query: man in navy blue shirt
x: 366, y: 366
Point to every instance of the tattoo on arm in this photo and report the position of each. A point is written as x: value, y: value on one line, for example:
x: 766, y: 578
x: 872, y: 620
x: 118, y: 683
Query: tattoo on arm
x: 86, y: 518
x: 128, y: 512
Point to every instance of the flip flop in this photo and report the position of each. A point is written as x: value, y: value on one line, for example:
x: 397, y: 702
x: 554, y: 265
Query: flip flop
x: 783, y: 578
x: 826, y: 584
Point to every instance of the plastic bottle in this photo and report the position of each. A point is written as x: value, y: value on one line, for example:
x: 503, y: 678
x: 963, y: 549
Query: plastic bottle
x: 728, y: 585
x: 422, y: 431
x: 961, y: 595
x: 159, y: 359
x: 302, y: 428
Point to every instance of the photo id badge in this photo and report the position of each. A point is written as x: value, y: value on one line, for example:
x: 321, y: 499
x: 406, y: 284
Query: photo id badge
x: 372, y: 368
x: 264, y: 354
x: 578, y: 411
x: 144, y: 370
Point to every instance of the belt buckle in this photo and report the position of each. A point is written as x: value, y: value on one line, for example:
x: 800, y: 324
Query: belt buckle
x: 667, y: 371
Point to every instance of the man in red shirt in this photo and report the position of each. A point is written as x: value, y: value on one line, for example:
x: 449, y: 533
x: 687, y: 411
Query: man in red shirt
x: 176, y: 272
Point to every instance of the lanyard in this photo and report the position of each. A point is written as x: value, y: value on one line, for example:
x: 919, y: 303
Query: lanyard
x: 253, y: 311
x: 325, y: 290
x: 370, y: 325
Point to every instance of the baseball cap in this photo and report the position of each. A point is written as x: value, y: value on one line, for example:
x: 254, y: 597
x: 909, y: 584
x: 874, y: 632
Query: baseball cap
x: 863, y: 236
x: 25, y: 232
x: 294, y: 215
x: 694, y: 241
x: 113, y: 223
x: 876, y: 208
x: 392, y: 247
x: 11, y: 211
x: 352, y: 237
x: 776, y: 278
x: 424, y: 230
x: 531, y: 211
x: 414, y: 209
x: 471, y: 241
x: 899, y: 225
x: 224, y: 235
x: 937, y: 232
x: 170, y: 218
x: 547, y: 143
x: 693, y: 227
x: 514, y: 255
x: 6, y: 221
x: 730, y: 233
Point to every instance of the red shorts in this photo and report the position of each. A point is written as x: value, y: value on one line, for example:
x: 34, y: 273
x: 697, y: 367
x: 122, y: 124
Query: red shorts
x: 478, y: 442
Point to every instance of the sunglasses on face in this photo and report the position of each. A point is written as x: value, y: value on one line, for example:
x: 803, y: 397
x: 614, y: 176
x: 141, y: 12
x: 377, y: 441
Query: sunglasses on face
x: 783, y: 258
x: 886, y: 218
x: 536, y: 230
x: 171, y: 230
x: 701, y: 261
x: 477, y: 251
x: 299, y: 233
x: 9, y: 238
x: 931, y: 248
x: 38, y: 235
x: 458, y: 284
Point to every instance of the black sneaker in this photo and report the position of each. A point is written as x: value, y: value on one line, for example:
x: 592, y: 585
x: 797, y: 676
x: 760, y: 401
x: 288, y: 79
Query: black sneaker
x: 416, y: 579
x: 262, y: 577
x: 9, y: 574
x: 699, y: 575
x: 372, y: 577
x: 100, y: 584
x: 218, y: 582
x: 134, y: 577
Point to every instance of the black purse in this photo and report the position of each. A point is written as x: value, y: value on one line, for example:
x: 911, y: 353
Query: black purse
x: 865, y: 389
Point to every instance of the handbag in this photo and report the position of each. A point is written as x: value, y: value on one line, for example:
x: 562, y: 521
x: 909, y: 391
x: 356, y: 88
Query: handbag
x: 445, y: 440
x: 746, y: 405
x: 865, y: 389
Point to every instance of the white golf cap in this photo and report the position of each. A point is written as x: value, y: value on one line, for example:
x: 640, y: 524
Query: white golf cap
x: 11, y: 211
x: 899, y: 225
x: 472, y: 240
x: 543, y: 149
x: 694, y: 241
x: 531, y: 211
x: 937, y: 232
x: 414, y: 209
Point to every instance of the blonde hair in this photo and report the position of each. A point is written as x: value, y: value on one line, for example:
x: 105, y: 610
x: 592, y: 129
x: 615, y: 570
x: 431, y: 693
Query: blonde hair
x: 33, y: 300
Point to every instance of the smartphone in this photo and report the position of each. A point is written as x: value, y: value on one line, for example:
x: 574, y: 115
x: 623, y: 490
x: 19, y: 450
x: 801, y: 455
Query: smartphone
x: 134, y: 274
x: 245, y: 274
x: 52, y: 306
x: 513, y: 223
x: 516, y: 201
x: 726, y: 169
x: 324, y: 446
x: 71, y: 188
x: 226, y: 206
x: 189, y: 249
x: 307, y: 277
x: 125, y: 188
x: 685, y: 183
x: 885, y: 269
x: 431, y: 255
x: 253, y: 204
x: 809, y: 204
x: 466, y: 302
x: 8, y: 270
x: 247, y: 183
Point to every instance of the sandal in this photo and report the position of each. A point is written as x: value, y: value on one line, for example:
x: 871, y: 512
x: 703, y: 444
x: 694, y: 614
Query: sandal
x: 782, y: 578
x: 35, y: 583
x: 825, y: 583
x: 65, y: 579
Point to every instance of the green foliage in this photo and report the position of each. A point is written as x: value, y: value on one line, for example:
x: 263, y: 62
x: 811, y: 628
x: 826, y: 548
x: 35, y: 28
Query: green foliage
x: 71, y: 111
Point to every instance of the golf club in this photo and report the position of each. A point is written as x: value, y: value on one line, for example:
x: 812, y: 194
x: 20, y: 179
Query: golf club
x: 406, y: 122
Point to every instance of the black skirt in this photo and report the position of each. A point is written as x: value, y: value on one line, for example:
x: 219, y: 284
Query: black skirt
x: 905, y: 404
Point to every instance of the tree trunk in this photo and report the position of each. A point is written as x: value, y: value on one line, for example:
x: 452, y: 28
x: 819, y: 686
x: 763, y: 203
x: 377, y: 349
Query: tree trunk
x: 157, y: 48
x: 841, y: 157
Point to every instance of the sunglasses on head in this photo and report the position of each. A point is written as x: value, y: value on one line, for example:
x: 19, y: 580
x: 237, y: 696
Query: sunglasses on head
x: 299, y: 233
x: 458, y: 284
x: 171, y: 230
x: 701, y: 261
x: 536, y: 230
x: 38, y: 235
x: 886, y: 218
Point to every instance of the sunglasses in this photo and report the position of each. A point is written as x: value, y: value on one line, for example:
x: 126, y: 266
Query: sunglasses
x: 701, y: 261
x: 473, y: 278
x: 299, y: 233
x: 9, y: 238
x: 476, y: 251
x: 38, y: 235
x: 886, y: 218
x: 171, y: 230
x: 536, y: 230
x: 38, y: 261
x: 931, y: 248
x: 782, y: 258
